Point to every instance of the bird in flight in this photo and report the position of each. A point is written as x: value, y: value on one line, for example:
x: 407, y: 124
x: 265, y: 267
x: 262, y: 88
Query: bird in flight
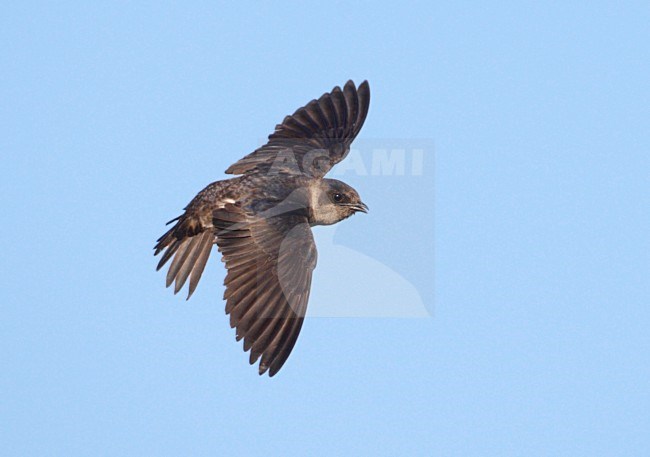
x: 261, y: 222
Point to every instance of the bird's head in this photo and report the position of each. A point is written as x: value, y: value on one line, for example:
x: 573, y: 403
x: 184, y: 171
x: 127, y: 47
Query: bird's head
x: 334, y: 201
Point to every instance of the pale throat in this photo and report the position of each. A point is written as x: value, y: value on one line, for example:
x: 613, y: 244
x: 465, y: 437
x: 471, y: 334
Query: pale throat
x: 323, y: 211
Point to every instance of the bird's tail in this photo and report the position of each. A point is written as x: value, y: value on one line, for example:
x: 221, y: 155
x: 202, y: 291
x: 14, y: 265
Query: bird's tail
x: 189, y: 244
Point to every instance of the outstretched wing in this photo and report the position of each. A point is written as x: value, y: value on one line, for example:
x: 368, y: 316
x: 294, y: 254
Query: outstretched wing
x: 270, y: 263
x: 314, y: 138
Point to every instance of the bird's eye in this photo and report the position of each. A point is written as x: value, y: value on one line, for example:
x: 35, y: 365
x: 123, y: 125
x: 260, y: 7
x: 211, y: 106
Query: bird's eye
x: 337, y: 197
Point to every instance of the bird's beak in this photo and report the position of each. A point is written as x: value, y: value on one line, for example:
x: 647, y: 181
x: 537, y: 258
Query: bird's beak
x: 360, y: 207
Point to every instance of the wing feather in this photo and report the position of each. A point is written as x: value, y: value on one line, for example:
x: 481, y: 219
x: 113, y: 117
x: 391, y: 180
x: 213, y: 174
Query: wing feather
x: 328, y: 124
x: 270, y: 263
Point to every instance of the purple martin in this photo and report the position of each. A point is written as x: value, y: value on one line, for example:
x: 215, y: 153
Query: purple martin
x: 261, y: 222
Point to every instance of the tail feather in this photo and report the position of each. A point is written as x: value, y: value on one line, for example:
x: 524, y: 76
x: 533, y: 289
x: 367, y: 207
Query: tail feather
x: 188, y: 244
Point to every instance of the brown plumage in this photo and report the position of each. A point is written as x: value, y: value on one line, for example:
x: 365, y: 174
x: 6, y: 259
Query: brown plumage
x: 261, y: 223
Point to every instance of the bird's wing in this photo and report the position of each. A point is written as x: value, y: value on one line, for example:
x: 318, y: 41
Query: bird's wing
x: 270, y: 262
x: 314, y: 138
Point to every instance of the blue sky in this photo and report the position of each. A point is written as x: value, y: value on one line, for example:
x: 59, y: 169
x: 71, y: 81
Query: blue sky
x: 524, y: 239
